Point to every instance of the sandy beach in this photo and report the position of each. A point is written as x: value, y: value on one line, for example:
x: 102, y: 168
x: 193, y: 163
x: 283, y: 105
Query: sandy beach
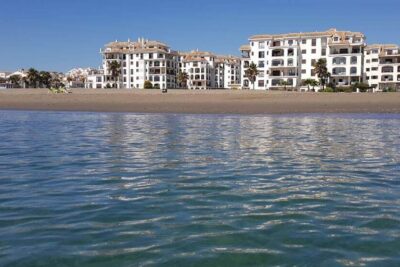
x: 199, y: 102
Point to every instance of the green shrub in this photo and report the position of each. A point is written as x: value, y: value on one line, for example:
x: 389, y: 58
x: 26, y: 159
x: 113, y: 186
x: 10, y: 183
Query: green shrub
x: 344, y: 89
x: 364, y: 87
x: 148, y: 85
x: 389, y: 90
x: 327, y: 90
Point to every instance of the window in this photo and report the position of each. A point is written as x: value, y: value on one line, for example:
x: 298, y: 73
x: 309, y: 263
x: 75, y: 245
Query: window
x: 261, y: 83
x: 290, y: 42
x: 304, y: 51
x: 304, y: 61
x: 303, y: 71
x: 368, y: 69
x: 314, y: 51
x: 368, y: 61
x: 374, y: 68
x: 314, y: 42
x: 375, y: 60
x: 261, y: 45
x: 323, y: 52
x: 261, y: 55
x: 261, y: 64
x: 304, y: 41
x: 353, y: 70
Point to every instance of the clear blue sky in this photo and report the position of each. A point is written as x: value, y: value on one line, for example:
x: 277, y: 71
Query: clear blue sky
x: 62, y: 34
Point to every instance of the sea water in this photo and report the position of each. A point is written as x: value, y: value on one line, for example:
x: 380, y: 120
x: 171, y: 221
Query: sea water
x: 109, y: 189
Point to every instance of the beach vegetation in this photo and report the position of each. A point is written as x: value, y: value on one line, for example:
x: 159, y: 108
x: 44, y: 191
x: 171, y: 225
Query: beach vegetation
x: 45, y: 79
x: 389, y: 90
x: 343, y: 89
x: 148, y: 85
x: 322, y: 72
x: 311, y: 82
x: 182, y: 79
x: 33, y: 77
x: 363, y: 87
x: 15, y: 80
x: 328, y: 90
x: 114, y: 68
x: 285, y: 84
x: 251, y: 74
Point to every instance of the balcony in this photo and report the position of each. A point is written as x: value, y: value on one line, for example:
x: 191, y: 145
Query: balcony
x: 278, y: 53
x: 387, y: 78
x: 339, y: 61
x: 277, y: 73
x: 390, y: 61
x: 339, y: 72
x: 387, y: 69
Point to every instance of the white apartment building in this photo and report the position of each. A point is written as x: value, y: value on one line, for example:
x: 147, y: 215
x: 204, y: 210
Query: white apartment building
x: 200, y: 67
x: 290, y: 58
x: 227, y: 72
x: 382, y: 66
x: 154, y: 61
x: 140, y: 61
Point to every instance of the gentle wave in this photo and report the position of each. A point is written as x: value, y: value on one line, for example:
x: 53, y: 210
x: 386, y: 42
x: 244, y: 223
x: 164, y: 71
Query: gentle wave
x: 93, y: 189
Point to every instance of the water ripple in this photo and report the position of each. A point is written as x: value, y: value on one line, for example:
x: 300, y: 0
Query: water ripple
x: 92, y: 189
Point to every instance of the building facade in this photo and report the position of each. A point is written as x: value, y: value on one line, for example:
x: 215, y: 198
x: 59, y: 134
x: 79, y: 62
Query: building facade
x: 155, y: 62
x: 382, y: 66
x: 289, y: 58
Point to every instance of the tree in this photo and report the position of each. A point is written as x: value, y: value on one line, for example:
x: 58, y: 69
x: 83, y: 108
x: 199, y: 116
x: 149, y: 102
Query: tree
x: 284, y: 84
x: 148, y: 85
x: 182, y: 78
x: 15, y: 80
x: 45, y: 79
x: 310, y: 82
x: 251, y: 74
x: 33, y: 77
x: 322, y: 71
x: 363, y: 87
x: 114, y: 68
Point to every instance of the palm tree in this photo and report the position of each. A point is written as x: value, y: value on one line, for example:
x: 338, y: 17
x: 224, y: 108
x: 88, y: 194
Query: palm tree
x: 114, y: 68
x: 310, y: 82
x: 182, y: 78
x: 322, y: 71
x: 33, y: 77
x: 15, y: 80
x: 45, y: 79
x: 284, y: 84
x: 251, y: 74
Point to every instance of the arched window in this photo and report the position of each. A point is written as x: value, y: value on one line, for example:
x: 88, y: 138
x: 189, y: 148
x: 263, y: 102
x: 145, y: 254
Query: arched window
x: 339, y: 71
x: 339, y: 61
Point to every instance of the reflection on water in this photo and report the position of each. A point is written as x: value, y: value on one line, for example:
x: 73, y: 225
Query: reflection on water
x: 83, y: 189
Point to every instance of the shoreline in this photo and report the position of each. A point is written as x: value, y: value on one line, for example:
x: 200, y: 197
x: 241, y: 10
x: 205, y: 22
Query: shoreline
x: 199, y: 102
